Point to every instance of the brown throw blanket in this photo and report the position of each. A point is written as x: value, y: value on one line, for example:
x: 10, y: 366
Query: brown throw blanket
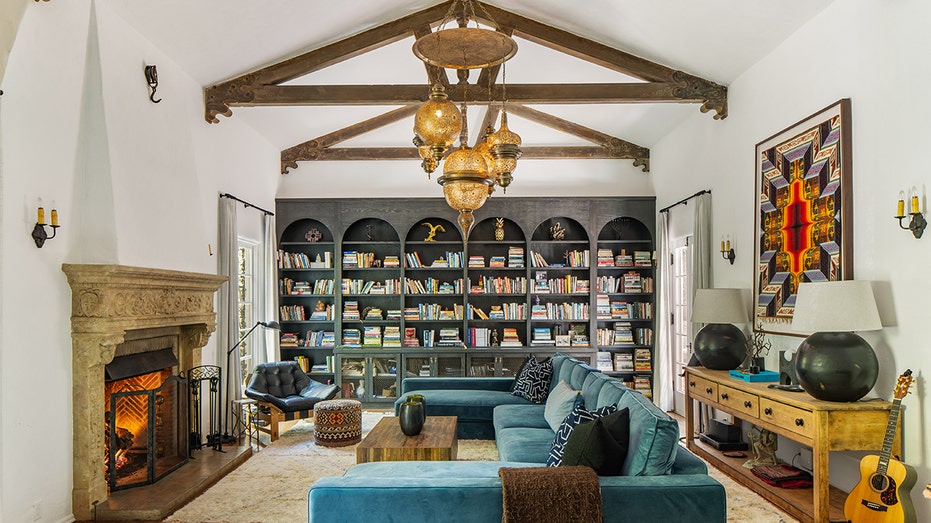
x: 550, y: 494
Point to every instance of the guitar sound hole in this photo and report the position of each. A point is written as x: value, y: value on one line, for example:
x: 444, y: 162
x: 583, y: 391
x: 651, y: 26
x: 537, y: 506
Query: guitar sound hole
x: 879, y: 482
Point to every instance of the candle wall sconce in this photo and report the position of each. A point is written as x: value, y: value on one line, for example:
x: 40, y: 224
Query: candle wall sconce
x: 917, y: 223
x: 151, y: 78
x: 727, y: 252
x: 38, y: 232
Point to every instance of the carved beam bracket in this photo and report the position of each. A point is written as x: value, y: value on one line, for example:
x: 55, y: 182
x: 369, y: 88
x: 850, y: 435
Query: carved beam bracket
x: 713, y: 96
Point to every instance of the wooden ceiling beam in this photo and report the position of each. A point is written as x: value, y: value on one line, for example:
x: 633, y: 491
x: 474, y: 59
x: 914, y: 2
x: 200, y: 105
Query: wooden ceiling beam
x: 600, y: 93
x: 617, y: 148
x: 219, y: 98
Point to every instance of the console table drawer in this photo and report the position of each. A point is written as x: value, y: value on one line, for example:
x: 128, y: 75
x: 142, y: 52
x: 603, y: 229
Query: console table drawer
x: 739, y: 400
x: 702, y: 388
x: 792, y: 418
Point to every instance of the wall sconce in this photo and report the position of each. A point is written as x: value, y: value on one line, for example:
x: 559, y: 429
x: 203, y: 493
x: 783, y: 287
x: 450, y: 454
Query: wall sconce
x: 918, y: 223
x: 38, y: 232
x: 151, y: 78
x: 727, y: 252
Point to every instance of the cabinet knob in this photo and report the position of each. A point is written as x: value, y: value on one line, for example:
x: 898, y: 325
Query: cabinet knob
x: 748, y: 404
x: 799, y: 422
x: 691, y: 384
x: 708, y: 390
x: 768, y: 411
x: 724, y: 396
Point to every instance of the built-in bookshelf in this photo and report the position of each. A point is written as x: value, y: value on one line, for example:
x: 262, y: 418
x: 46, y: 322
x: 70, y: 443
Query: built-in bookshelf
x: 373, y: 291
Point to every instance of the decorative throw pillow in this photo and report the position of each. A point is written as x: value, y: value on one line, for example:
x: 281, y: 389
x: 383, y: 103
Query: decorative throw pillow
x: 559, y: 403
x: 520, y: 371
x: 533, y: 382
x: 600, y: 444
x: 578, y: 416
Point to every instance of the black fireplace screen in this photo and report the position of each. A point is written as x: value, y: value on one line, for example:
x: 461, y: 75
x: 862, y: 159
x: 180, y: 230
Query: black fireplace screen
x: 147, y: 429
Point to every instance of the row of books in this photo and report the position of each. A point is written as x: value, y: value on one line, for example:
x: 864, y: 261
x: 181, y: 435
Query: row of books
x: 498, y: 285
x: 504, y: 311
x: 287, y: 286
x: 638, y: 361
x: 448, y: 337
x: 605, y: 309
x: 573, y: 258
x: 300, y: 260
x: 434, y: 311
x: 306, y: 364
x: 448, y: 259
x: 433, y: 286
x: 358, y: 260
x: 313, y: 338
x: 358, y: 286
x: 631, y: 282
x: 638, y: 259
x: 564, y: 285
x: 560, y: 311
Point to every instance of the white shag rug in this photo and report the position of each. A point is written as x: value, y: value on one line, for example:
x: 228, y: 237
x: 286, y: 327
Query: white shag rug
x: 271, y: 486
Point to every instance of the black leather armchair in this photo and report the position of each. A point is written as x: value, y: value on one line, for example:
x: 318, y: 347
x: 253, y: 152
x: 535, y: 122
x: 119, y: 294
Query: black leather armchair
x: 284, y: 392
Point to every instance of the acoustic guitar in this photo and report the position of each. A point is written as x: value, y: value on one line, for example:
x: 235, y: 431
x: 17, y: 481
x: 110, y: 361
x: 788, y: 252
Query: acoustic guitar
x: 882, y: 495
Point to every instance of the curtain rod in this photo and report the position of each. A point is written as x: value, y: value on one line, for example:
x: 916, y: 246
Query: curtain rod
x: 685, y: 201
x: 247, y: 204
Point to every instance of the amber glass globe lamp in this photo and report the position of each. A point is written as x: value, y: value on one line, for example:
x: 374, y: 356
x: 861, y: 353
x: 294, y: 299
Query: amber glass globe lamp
x: 465, y: 184
x: 437, y: 123
x: 505, y: 148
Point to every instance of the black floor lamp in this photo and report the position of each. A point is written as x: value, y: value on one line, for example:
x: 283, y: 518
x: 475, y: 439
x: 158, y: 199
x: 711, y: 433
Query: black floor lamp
x: 227, y: 437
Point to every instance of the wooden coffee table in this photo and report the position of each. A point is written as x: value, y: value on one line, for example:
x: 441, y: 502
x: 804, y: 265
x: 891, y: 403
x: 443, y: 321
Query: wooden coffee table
x: 436, y: 442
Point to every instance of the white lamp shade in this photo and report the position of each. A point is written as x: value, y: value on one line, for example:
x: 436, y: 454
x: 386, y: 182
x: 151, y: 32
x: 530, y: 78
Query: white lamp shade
x: 720, y: 306
x: 835, y: 306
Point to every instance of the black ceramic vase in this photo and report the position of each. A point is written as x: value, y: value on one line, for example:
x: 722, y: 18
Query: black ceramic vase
x: 412, y: 416
x: 836, y: 366
x: 720, y: 346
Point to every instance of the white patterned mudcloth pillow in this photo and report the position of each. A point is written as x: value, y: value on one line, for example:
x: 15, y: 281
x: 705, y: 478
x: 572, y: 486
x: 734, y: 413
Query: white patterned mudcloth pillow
x: 578, y: 416
x: 533, y: 381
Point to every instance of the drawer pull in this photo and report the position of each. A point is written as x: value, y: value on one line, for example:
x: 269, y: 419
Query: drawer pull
x: 691, y: 384
x: 747, y: 404
x: 799, y: 422
x: 708, y: 390
x: 768, y: 411
x: 724, y: 396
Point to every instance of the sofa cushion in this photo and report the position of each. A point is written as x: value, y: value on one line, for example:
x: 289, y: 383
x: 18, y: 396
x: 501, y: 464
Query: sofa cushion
x: 468, y: 404
x: 559, y: 403
x: 600, y: 444
x: 527, y: 416
x: 529, y: 445
x: 654, y: 437
x: 533, y: 382
x: 578, y: 415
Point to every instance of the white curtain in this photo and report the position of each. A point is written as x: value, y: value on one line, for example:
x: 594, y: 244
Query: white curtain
x: 664, y: 349
x: 701, y: 263
x: 267, y: 288
x: 228, y: 302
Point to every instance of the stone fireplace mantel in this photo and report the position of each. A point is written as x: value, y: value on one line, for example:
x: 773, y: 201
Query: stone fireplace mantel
x: 107, y: 302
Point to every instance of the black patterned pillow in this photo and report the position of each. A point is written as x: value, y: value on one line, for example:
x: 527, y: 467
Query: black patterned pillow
x: 578, y: 416
x: 533, y: 381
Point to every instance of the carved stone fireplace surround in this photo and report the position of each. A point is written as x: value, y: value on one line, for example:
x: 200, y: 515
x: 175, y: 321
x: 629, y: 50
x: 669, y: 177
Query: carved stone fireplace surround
x: 107, y: 302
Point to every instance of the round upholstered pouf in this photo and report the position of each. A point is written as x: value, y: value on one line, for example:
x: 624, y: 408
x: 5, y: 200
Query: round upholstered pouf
x: 337, y: 423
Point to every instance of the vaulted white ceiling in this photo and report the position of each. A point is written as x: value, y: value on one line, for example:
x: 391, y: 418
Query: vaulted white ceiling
x: 216, y: 40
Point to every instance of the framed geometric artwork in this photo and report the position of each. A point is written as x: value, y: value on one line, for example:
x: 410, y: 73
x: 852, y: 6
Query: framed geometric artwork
x: 804, y: 220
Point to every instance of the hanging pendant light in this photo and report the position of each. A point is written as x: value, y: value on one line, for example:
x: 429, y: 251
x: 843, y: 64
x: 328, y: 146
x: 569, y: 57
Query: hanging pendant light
x: 436, y: 124
x: 465, y: 180
x: 505, y: 148
x: 464, y: 47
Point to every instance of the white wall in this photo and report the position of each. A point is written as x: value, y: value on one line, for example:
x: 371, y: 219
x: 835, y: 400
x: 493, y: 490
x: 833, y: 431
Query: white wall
x: 874, y: 53
x: 135, y: 183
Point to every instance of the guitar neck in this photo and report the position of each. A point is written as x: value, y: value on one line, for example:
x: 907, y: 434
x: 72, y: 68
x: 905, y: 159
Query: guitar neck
x: 886, y: 452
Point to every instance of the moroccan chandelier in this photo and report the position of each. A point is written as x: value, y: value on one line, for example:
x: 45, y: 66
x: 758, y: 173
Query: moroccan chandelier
x: 469, y: 173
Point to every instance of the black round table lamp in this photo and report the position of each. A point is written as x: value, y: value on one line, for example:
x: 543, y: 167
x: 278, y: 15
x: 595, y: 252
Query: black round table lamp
x: 834, y: 364
x: 720, y: 344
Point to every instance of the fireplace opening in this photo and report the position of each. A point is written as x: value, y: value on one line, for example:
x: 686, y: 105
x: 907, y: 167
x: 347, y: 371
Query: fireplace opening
x: 146, y: 413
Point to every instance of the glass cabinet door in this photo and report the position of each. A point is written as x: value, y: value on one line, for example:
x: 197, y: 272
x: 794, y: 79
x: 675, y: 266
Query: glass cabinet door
x: 384, y: 378
x: 352, y: 377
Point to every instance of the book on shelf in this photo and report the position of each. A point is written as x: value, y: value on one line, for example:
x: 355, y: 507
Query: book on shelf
x: 510, y: 338
x: 623, y: 362
x: 604, y: 258
x: 542, y: 336
x: 497, y: 261
x: 288, y: 339
x: 476, y: 261
x: 643, y: 259
x: 643, y: 360
x: 371, y: 336
x: 410, y: 337
x: 623, y: 259
x: 603, y: 361
x: 392, y: 336
x: 516, y: 257
x: 391, y: 261
x: 352, y: 337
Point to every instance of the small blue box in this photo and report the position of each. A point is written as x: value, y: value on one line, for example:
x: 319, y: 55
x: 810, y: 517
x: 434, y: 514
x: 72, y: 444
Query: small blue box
x: 764, y: 375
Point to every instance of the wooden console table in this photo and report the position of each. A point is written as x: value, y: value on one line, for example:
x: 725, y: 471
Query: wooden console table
x: 822, y: 425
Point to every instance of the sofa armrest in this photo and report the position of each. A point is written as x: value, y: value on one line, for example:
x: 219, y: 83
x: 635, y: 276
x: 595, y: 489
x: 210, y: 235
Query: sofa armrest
x: 414, y: 384
x: 688, y: 463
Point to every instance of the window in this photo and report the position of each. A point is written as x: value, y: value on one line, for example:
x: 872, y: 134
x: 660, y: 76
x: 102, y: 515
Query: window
x: 246, y: 298
x: 681, y: 308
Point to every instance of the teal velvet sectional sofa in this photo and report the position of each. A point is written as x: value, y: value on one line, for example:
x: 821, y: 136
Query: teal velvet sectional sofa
x: 660, y: 481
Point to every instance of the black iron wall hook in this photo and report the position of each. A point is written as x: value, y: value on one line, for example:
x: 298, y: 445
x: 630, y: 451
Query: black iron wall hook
x: 151, y: 77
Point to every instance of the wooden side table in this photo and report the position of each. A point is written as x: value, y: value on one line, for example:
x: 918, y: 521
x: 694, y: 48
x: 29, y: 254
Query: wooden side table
x: 824, y: 426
